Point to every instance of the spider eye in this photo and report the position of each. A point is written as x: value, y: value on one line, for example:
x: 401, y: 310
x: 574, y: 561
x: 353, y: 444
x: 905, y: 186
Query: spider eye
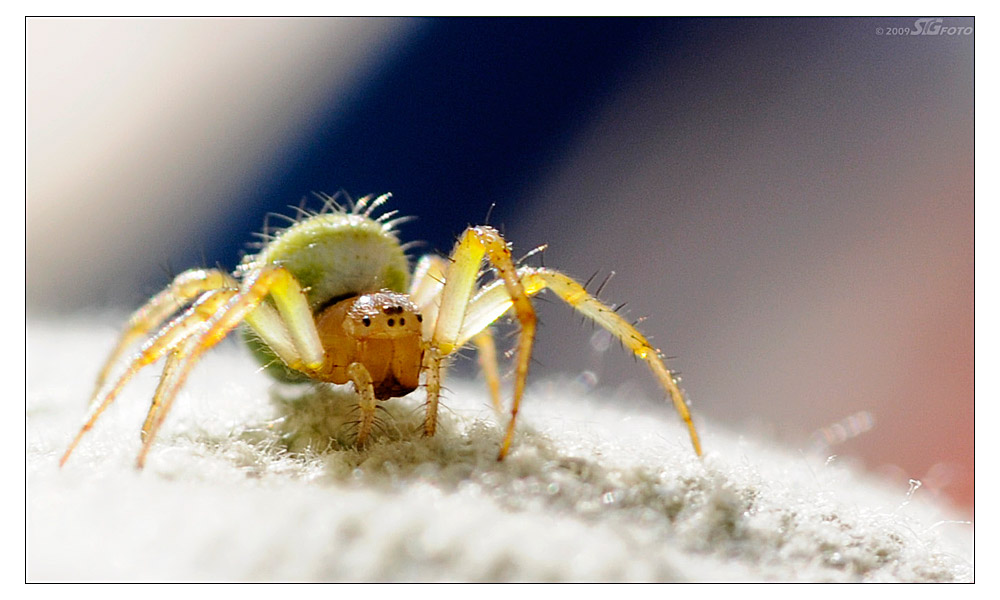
x: 402, y: 321
x: 367, y: 322
x: 392, y: 322
x: 420, y: 319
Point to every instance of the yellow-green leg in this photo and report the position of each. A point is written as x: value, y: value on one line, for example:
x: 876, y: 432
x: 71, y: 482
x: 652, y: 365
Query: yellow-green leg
x: 255, y: 287
x: 476, y: 244
x: 182, y: 290
x: 494, y: 300
x: 166, y: 340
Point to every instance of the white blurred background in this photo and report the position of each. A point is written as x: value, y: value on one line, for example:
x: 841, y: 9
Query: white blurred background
x: 788, y: 202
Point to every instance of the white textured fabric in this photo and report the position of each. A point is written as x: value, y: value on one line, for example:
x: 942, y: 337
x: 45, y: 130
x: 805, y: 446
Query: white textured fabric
x: 245, y: 483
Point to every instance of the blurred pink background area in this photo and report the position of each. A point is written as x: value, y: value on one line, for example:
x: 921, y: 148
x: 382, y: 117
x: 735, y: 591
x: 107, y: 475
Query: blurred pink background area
x: 813, y: 271
x: 788, y: 203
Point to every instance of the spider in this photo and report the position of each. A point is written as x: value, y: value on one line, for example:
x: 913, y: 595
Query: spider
x: 331, y: 299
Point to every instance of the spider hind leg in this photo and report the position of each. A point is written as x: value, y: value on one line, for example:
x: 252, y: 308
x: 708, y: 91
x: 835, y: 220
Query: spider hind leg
x: 494, y: 300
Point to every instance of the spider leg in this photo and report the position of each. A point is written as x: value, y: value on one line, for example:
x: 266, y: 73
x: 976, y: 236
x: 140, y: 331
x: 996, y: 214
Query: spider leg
x: 296, y: 316
x: 183, y: 289
x: 363, y: 384
x: 169, y: 338
x: 493, y: 301
x: 259, y: 282
x: 476, y: 244
x: 434, y: 370
x: 425, y: 289
x: 486, y: 350
x: 428, y: 279
x: 425, y: 292
x: 266, y: 322
x: 166, y: 378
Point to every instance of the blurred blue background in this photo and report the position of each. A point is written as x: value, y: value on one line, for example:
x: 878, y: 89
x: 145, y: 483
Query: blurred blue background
x: 788, y: 201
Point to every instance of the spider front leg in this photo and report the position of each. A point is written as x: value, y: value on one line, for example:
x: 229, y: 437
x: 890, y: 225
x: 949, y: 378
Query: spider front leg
x: 476, y: 244
x: 260, y: 282
x: 425, y: 292
x: 202, y: 326
x: 167, y: 340
x: 182, y: 290
x: 363, y: 385
x: 494, y: 300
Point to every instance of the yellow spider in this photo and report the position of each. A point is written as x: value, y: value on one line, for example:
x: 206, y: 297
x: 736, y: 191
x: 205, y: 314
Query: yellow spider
x: 331, y: 299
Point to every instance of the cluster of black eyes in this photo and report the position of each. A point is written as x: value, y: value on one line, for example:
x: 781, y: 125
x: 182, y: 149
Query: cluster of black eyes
x: 391, y: 322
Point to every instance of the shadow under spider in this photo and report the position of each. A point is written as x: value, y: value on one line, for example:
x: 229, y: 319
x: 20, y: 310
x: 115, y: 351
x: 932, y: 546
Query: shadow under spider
x: 314, y: 425
x: 320, y: 422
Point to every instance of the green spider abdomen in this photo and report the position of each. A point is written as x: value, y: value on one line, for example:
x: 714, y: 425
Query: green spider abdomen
x: 338, y: 254
x: 333, y: 256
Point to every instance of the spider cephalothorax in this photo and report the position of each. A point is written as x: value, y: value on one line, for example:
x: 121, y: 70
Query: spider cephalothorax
x: 331, y: 298
x: 383, y: 332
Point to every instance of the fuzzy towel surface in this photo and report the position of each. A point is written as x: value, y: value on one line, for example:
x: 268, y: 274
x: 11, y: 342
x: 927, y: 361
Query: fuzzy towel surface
x: 252, y: 482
